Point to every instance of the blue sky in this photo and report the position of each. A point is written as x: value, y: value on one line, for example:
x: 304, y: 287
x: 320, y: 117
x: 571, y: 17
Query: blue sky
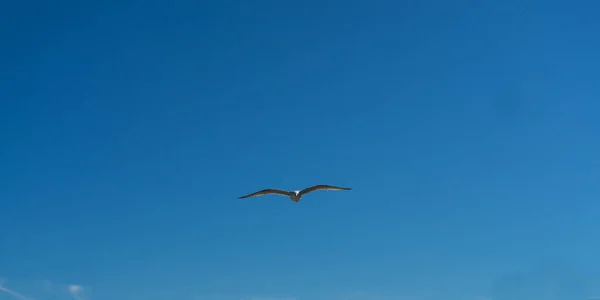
x: 468, y: 131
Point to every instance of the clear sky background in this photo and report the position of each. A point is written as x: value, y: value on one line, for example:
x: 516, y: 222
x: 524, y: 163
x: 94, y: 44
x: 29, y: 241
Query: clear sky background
x: 468, y: 130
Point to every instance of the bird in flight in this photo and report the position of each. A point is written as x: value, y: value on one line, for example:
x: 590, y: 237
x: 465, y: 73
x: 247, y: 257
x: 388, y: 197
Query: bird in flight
x: 297, y: 195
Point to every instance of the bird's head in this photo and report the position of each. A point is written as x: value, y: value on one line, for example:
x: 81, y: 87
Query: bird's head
x: 296, y: 192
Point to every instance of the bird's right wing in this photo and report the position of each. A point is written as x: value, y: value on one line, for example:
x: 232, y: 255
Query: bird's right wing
x: 266, y: 192
x: 323, y: 187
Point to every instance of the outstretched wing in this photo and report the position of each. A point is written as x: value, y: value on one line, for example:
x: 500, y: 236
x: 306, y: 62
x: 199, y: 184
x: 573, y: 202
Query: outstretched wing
x: 266, y: 192
x: 323, y: 187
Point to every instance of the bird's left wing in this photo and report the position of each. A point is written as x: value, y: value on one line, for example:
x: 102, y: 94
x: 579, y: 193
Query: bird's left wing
x: 323, y: 187
x: 266, y: 192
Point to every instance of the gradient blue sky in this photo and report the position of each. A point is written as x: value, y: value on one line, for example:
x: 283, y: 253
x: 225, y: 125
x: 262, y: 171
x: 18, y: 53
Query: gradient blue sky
x: 468, y: 130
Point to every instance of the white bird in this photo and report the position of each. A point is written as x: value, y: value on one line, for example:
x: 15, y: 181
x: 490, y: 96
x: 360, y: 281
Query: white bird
x: 296, y: 195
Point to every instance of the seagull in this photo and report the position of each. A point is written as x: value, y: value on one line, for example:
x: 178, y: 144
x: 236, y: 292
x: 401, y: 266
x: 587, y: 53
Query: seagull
x: 297, y: 195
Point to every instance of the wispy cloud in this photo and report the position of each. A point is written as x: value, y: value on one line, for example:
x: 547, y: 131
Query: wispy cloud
x: 75, y: 291
x: 12, y: 292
